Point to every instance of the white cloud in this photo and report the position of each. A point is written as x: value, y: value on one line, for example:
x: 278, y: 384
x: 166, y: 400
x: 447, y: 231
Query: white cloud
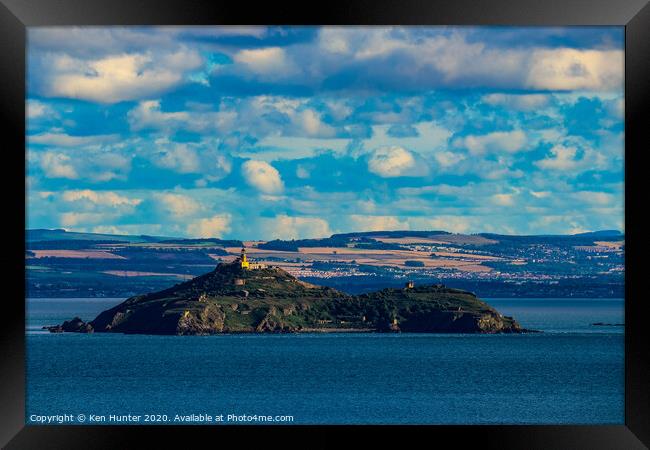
x: 106, y: 198
x: 503, y: 199
x: 524, y: 102
x: 65, y: 140
x: 312, y: 125
x: 339, y: 108
x: 45, y: 194
x: 70, y: 219
x: 37, y: 110
x: 83, y: 207
x: 379, y: 43
x: 217, y: 166
x: 272, y: 62
x: 540, y: 194
x: 263, y: 116
x: 92, y: 41
x: 288, y: 227
x: 109, y: 65
x: 90, y: 162
x: 562, y: 158
x: 262, y: 176
x: 495, y: 142
x: 570, y: 69
x: 57, y: 165
x: 616, y: 107
x: 447, y: 159
x: 214, y: 226
x: 411, y: 64
x: 376, y: 223
x: 334, y: 40
x: 294, y: 147
x: 150, y: 229
x: 179, y: 158
x: 594, y: 198
x: 115, y: 78
x: 431, y: 136
x: 501, y: 173
x: 395, y: 161
x: 178, y: 205
x: 148, y: 115
x: 454, y: 224
x: 107, y: 166
x: 452, y: 59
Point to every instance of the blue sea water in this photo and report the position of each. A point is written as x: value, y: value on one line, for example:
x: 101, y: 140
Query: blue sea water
x: 572, y: 373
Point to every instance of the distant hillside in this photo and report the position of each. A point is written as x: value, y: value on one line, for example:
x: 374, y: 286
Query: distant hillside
x: 564, y: 240
x: 394, y: 240
x: 63, y: 235
x: 294, y: 244
x: 602, y: 233
x: 388, y: 234
x: 204, y: 241
x: 335, y: 240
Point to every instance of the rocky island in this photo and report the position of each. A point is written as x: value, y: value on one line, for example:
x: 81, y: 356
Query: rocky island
x: 241, y: 297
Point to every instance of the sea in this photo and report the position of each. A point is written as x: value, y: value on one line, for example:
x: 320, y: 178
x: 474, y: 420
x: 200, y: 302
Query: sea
x: 570, y: 373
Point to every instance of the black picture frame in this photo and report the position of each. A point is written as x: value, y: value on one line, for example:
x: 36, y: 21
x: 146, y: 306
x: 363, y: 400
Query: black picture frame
x: 16, y: 15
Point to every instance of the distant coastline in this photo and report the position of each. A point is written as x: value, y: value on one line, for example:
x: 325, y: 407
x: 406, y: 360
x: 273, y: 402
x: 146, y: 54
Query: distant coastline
x: 590, y: 265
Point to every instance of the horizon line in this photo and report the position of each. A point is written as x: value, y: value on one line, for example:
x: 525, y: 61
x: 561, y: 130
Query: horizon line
x: 584, y: 233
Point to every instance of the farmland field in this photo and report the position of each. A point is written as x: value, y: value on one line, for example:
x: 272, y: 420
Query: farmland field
x: 123, y: 265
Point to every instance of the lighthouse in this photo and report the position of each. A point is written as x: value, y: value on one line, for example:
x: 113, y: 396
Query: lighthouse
x: 245, y: 264
x: 243, y: 260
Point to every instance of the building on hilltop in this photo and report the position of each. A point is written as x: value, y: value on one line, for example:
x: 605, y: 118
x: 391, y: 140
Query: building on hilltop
x: 245, y: 264
x: 243, y: 260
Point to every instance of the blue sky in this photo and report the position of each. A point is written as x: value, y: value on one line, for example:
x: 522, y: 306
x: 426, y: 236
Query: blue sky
x: 294, y: 132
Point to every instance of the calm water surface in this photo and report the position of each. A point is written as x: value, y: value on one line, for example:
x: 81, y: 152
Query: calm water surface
x: 573, y: 372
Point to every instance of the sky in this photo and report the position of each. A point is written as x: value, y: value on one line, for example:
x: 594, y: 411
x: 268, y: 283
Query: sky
x: 301, y: 132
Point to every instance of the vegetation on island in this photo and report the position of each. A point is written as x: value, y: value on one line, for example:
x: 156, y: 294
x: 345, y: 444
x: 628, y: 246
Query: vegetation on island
x: 231, y: 299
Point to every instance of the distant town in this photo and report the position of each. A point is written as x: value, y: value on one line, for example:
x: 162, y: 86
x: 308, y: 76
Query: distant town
x: 68, y: 264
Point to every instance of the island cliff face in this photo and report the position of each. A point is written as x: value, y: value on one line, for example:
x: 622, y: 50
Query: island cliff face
x: 232, y: 299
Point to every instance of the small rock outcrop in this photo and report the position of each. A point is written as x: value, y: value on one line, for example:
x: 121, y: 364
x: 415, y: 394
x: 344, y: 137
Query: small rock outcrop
x: 75, y: 325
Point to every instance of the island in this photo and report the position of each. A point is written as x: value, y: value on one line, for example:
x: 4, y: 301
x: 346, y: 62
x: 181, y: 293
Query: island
x: 244, y: 297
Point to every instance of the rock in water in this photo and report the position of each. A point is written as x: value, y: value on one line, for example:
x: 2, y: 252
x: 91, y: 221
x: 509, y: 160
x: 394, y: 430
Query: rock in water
x: 75, y: 325
x: 278, y: 302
